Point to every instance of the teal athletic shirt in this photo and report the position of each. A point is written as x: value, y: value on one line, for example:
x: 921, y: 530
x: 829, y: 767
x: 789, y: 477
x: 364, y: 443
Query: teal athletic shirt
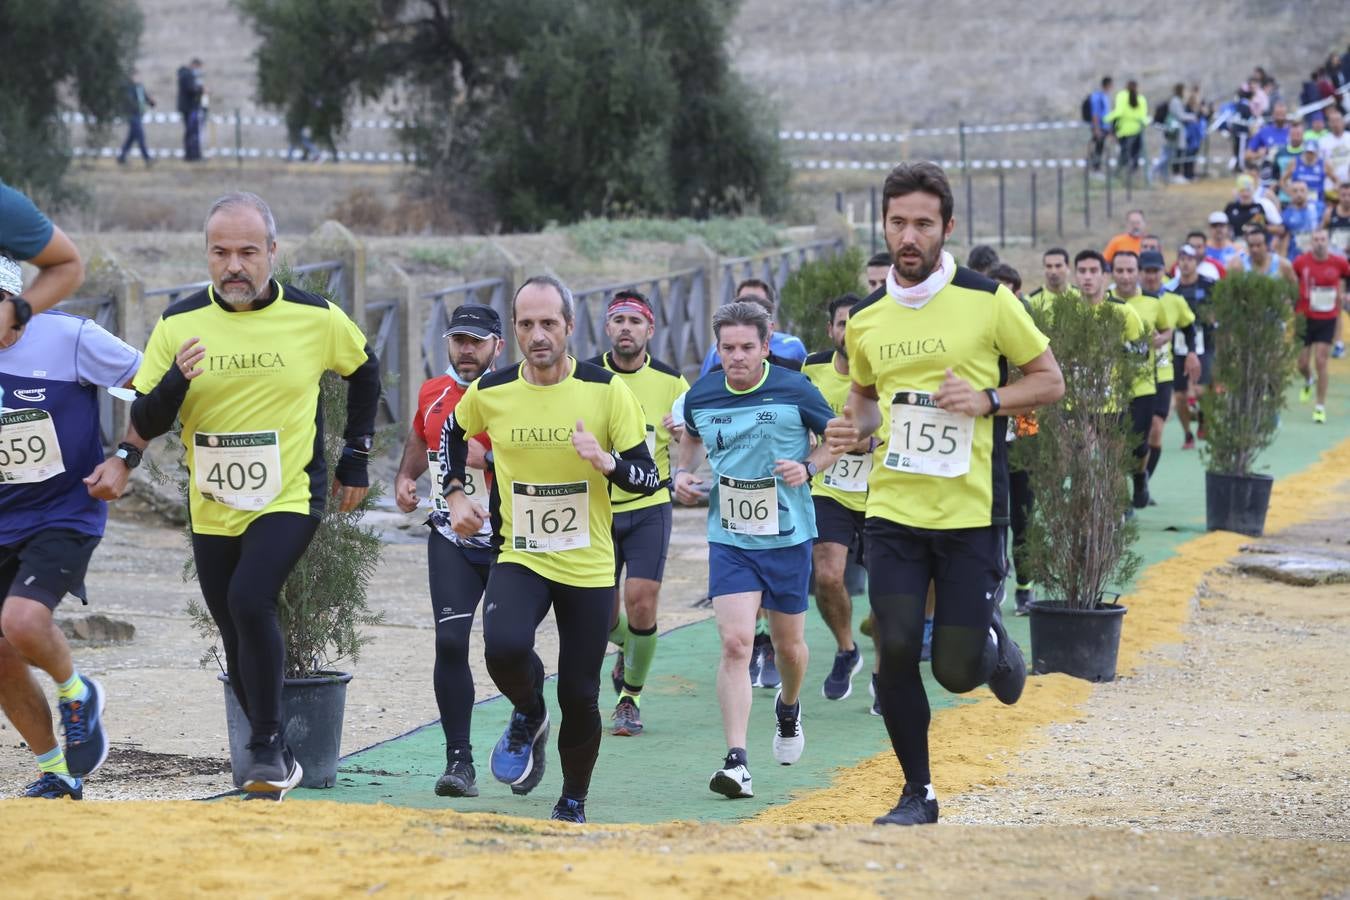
x: 745, y: 435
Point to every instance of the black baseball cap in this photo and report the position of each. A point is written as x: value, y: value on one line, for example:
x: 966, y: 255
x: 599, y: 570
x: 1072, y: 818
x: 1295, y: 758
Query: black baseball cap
x: 477, y: 321
x: 1151, y: 259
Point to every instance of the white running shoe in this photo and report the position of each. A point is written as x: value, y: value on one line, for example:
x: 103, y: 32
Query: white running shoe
x: 732, y: 780
x: 788, y: 739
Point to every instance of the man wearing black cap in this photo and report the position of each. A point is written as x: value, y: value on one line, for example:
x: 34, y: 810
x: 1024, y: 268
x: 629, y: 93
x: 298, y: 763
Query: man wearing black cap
x: 457, y: 566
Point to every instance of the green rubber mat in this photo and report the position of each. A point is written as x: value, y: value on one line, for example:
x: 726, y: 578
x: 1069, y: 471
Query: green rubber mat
x: 662, y: 775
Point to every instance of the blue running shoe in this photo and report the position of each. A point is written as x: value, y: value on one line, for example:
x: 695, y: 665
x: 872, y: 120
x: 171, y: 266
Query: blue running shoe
x: 568, y: 810
x: 518, y: 758
x: 82, y: 724
x: 53, y: 787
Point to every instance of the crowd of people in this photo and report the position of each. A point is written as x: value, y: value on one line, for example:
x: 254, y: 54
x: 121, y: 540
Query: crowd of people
x: 553, y: 480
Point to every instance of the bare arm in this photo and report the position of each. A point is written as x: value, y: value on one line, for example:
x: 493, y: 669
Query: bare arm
x: 61, y: 273
x: 410, y: 468
x: 1042, y: 383
x: 690, y: 457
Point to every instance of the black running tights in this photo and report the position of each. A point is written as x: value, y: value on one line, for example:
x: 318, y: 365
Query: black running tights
x: 967, y: 567
x: 241, y: 578
x: 516, y: 602
x: 457, y: 577
x: 1021, y: 500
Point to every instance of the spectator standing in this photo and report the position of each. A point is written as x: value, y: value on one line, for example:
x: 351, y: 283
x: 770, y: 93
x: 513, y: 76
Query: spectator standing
x: 1099, y: 105
x: 1129, y: 239
x: 1238, y: 125
x: 190, y: 92
x: 1174, y: 137
x: 1129, y: 118
x: 136, y: 102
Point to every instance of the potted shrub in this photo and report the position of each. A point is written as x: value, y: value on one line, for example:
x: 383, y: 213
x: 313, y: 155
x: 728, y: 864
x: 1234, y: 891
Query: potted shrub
x: 1254, y: 361
x: 1080, y: 536
x: 322, y: 610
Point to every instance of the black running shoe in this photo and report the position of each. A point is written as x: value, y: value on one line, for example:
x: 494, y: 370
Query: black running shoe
x: 460, y: 778
x: 1024, y: 600
x: 1140, y: 499
x: 913, y: 809
x: 272, y: 768
x: 1010, y: 673
x: 839, y: 683
x: 567, y: 810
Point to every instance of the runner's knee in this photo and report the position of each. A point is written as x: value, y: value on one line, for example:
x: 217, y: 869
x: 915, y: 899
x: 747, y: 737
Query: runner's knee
x: 736, y: 647
x: 25, y: 623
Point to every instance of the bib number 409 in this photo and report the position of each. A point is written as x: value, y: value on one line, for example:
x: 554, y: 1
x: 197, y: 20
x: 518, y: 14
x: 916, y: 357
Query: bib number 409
x: 236, y: 476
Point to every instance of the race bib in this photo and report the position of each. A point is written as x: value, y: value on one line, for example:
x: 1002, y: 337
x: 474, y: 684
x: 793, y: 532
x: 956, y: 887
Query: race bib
x: 1321, y: 299
x: 241, y: 470
x: 849, y: 473
x: 29, y: 451
x: 748, y: 506
x: 550, y: 518
x: 926, y: 440
x: 651, y: 441
x: 1164, y: 357
x: 475, y: 482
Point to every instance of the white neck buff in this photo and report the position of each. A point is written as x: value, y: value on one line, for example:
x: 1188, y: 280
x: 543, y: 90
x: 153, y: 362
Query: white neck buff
x: 917, y: 296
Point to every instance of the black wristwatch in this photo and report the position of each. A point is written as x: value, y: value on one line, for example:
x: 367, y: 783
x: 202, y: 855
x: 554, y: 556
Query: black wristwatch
x: 129, y: 454
x: 994, y: 403
x: 811, y: 469
x: 453, y: 489
x: 23, y: 311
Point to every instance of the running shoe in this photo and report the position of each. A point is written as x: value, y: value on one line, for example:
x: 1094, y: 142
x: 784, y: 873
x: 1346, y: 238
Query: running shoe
x: 768, y: 667
x: 272, y: 767
x: 82, y: 724
x: 732, y: 780
x: 1024, y: 598
x: 1320, y: 415
x: 1338, y: 350
x: 1140, y: 498
x: 1189, y: 442
x: 1305, y: 392
x: 53, y: 787
x: 519, y: 757
x: 616, y: 674
x: 627, y: 721
x: 756, y: 651
x: 876, y: 701
x: 460, y: 778
x: 569, y: 810
x: 926, y: 653
x: 788, y: 739
x: 1010, y: 673
x: 914, y: 808
x: 839, y: 683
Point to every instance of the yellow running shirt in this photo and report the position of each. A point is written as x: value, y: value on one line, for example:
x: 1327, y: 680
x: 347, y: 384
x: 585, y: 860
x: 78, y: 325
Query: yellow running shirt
x: 1155, y: 318
x: 656, y: 385
x: 1180, y: 315
x: 550, y: 508
x: 250, y: 419
x: 940, y: 470
x: 845, y: 482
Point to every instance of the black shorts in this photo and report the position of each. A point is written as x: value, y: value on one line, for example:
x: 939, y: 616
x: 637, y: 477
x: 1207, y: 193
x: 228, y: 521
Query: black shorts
x: 641, y: 541
x: 967, y: 567
x: 1141, y: 415
x: 1182, y: 383
x: 47, y: 566
x: 837, y: 524
x: 1317, y: 331
x: 1162, y: 401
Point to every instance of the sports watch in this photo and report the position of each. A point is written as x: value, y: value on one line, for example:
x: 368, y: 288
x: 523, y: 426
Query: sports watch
x: 811, y: 469
x: 129, y: 454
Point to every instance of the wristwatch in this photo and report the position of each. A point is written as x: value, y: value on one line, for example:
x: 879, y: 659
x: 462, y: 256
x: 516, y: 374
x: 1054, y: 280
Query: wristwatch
x: 994, y: 403
x: 811, y: 469
x: 129, y: 454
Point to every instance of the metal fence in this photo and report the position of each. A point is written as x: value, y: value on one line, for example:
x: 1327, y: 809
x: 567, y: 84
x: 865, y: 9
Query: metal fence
x: 773, y: 267
x: 103, y: 311
x: 680, y: 303
x: 385, y: 316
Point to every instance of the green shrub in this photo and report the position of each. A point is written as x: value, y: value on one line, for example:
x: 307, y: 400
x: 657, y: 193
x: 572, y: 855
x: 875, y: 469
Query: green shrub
x: 1254, y: 356
x: 803, y: 301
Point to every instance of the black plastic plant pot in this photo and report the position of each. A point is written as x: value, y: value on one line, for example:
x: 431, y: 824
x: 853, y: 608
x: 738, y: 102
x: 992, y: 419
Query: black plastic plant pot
x: 1237, y: 502
x: 312, y: 711
x: 1083, y: 643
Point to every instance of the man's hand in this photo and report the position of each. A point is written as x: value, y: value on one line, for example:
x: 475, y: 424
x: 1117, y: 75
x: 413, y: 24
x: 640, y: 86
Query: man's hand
x: 588, y: 448
x: 405, y: 492
x: 686, y: 489
x: 841, y: 433
x: 957, y: 396
x: 109, y: 479
x: 791, y: 471
x: 673, y: 426
x: 1192, y: 367
x: 466, y: 517
x: 351, y: 497
x: 189, y: 355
